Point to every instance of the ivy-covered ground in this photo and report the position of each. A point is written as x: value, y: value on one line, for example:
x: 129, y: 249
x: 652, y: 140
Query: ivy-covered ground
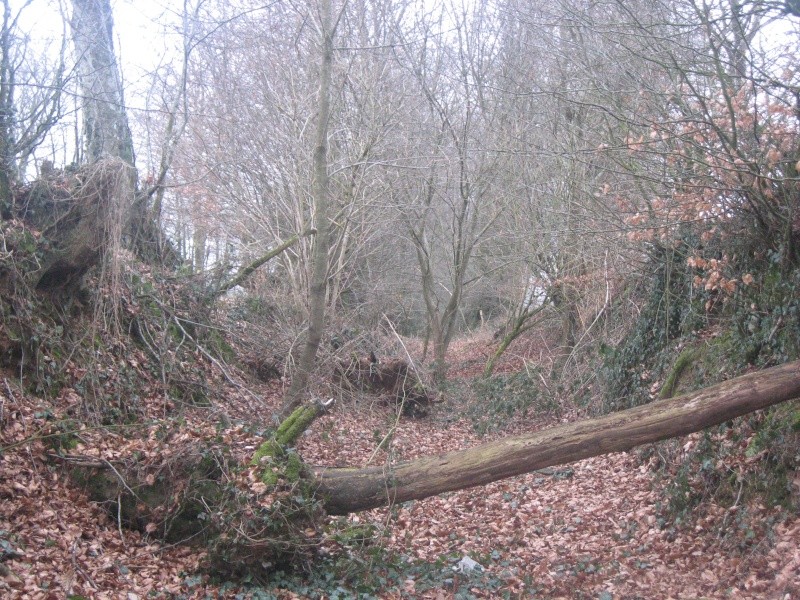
x: 669, y: 521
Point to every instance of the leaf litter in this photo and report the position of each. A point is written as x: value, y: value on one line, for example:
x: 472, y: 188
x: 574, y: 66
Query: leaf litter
x: 587, y: 530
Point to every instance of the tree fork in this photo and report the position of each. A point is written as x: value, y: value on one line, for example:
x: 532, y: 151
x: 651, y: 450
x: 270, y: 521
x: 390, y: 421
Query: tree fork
x: 356, y: 489
x: 288, y: 432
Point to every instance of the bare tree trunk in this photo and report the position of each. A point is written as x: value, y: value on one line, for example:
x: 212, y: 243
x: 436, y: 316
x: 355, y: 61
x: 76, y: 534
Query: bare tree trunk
x: 24, y: 122
x: 199, y: 239
x: 6, y: 114
x: 321, y: 192
x: 106, y: 131
x: 352, y: 490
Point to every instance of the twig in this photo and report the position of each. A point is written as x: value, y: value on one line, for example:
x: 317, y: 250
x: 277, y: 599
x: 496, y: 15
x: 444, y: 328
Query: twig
x: 217, y: 363
x: 119, y: 519
x: 78, y: 461
x: 78, y: 569
x: 391, y: 431
x: 399, y: 339
x: 772, y: 333
x: 35, y: 437
x: 121, y: 479
x: 544, y: 382
x: 2, y: 413
x: 732, y: 508
x: 3, y: 403
x: 599, y: 314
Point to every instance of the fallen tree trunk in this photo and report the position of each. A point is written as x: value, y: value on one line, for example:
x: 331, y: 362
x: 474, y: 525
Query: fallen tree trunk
x: 353, y: 489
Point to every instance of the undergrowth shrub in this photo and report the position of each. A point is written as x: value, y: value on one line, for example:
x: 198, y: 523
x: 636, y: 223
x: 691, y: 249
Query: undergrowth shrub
x: 258, y: 534
x: 687, y: 337
x: 500, y: 399
x: 746, y: 467
x: 766, y: 316
x: 372, y: 573
x: 115, y: 337
x: 669, y: 311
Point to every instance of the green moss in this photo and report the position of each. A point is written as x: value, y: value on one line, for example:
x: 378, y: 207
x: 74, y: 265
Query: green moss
x: 354, y: 535
x: 296, y: 424
x: 220, y: 346
x: 277, y: 464
x: 685, y: 358
x: 269, y: 449
x: 272, y: 457
x: 293, y: 469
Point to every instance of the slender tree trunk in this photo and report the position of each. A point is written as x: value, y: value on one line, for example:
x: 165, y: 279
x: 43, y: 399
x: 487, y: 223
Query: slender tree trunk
x: 352, y: 490
x: 521, y: 323
x: 440, y: 345
x: 199, y: 239
x: 321, y: 192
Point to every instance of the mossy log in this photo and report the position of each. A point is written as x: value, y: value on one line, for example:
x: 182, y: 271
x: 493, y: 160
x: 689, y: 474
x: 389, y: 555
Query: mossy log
x: 351, y: 490
x: 246, y: 271
x: 346, y: 490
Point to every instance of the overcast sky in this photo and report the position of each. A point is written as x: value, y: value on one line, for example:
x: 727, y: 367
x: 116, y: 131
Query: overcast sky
x: 145, y: 32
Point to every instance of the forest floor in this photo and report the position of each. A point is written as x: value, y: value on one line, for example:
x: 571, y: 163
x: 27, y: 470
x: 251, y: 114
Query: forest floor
x: 593, y: 529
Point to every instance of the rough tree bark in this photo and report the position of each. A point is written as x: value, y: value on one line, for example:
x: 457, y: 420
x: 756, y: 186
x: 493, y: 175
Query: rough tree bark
x: 106, y: 131
x: 352, y: 490
x: 346, y: 490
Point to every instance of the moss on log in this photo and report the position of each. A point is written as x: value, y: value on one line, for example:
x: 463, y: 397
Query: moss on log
x: 246, y: 271
x: 685, y: 358
x: 349, y: 490
x: 272, y: 454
